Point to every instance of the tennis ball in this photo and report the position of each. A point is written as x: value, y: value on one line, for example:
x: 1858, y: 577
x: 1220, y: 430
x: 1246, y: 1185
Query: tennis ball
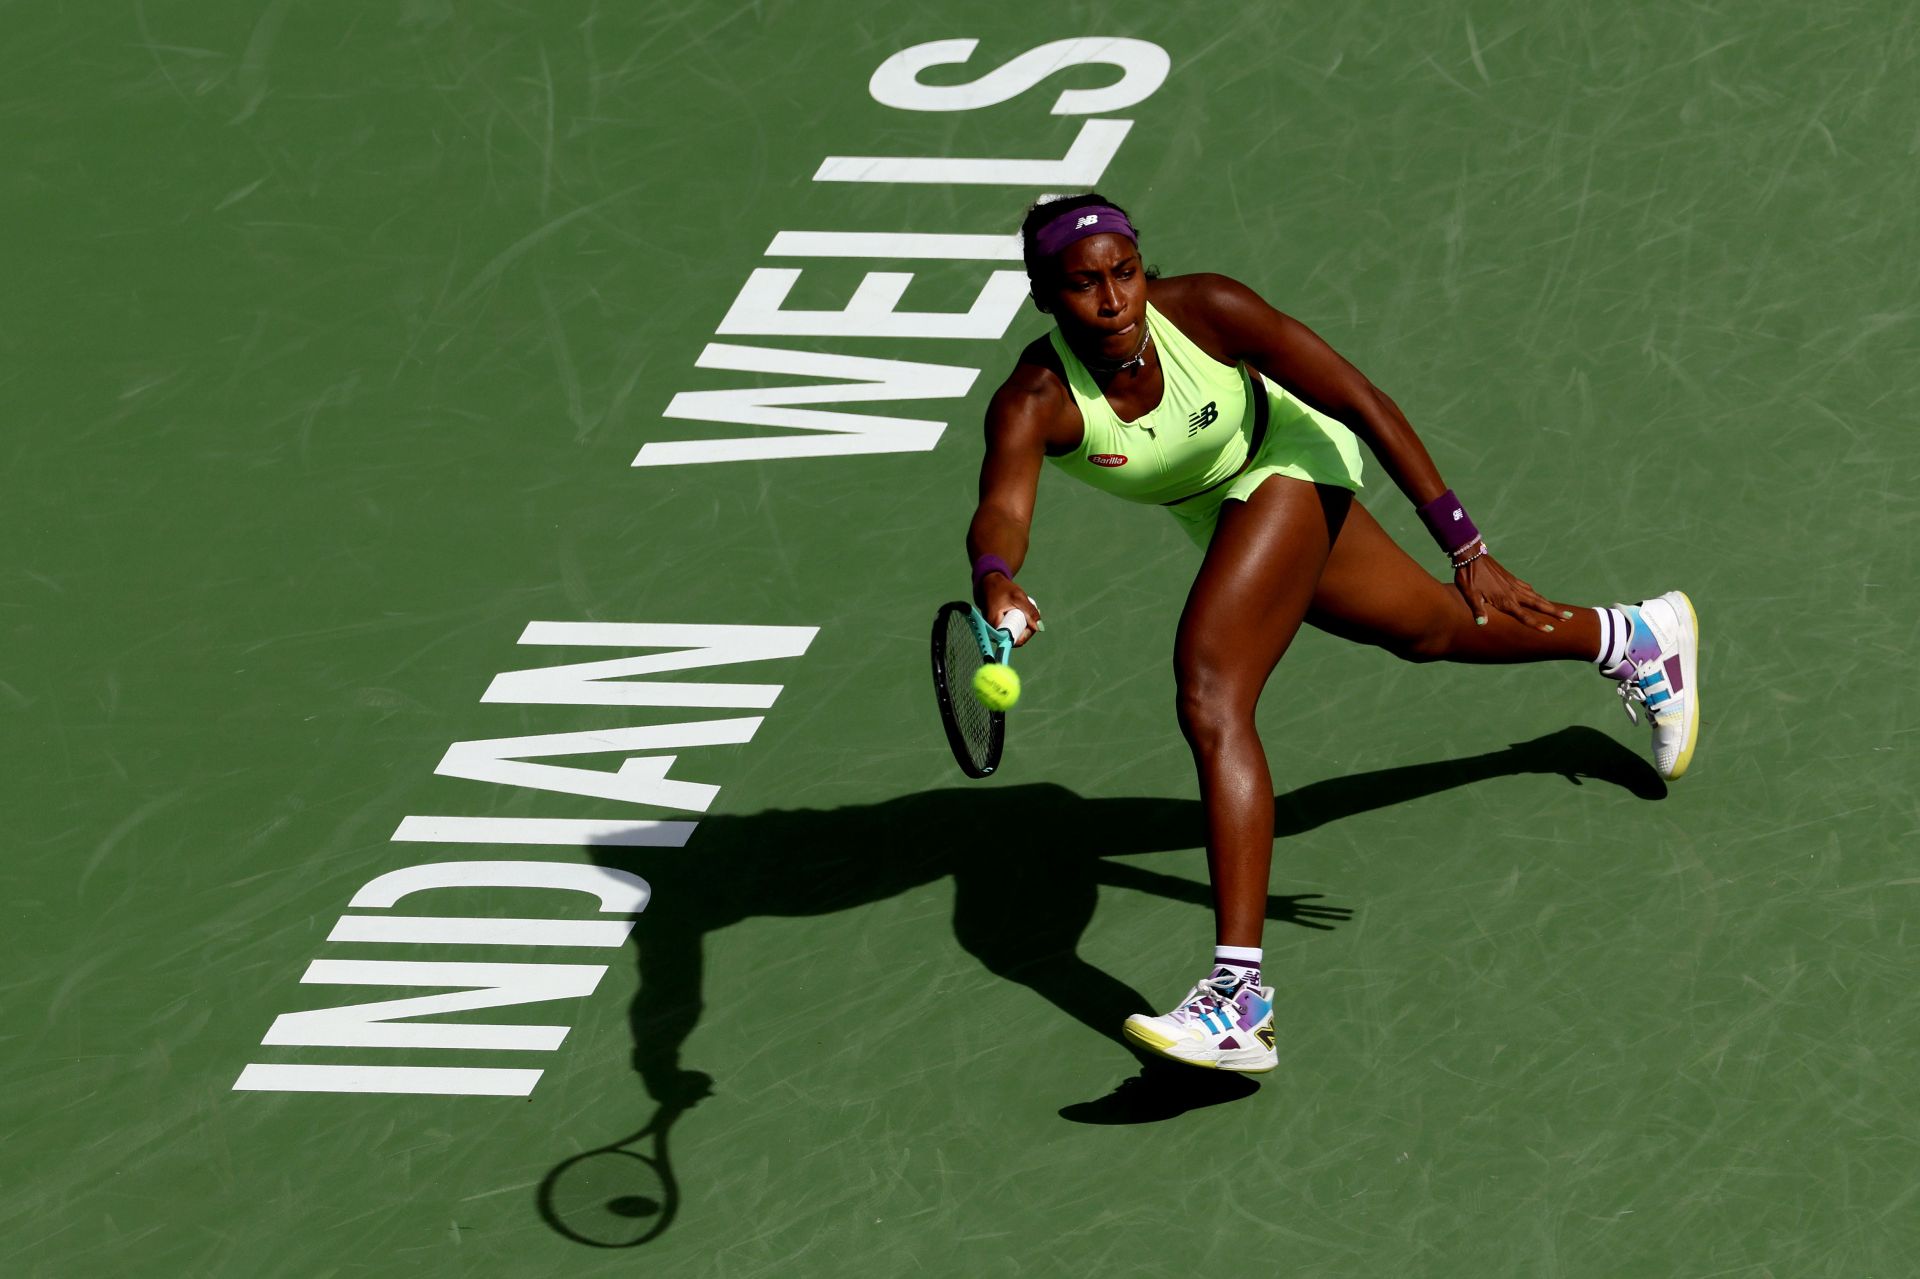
x: 997, y: 686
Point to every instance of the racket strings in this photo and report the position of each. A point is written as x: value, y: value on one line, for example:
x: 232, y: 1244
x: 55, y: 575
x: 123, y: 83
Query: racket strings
x: 974, y: 721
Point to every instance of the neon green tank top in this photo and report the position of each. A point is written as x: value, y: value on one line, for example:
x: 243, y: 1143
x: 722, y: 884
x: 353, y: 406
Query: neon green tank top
x: 1195, y: 437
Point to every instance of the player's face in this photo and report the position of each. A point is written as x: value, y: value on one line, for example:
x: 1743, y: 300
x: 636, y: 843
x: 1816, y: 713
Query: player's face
x: 1101, y: 298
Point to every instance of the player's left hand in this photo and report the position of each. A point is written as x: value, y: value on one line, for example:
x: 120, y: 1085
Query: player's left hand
x: 1488, y: 588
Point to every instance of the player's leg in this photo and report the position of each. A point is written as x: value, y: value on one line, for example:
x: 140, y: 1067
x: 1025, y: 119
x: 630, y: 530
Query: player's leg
x: 1252, y: 592
x: 1247, y: 602
x: 1373, y: 592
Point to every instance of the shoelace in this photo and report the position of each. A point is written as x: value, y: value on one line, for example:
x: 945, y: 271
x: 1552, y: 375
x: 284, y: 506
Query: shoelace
x: 1220, y: 990
x: 1632, y: 691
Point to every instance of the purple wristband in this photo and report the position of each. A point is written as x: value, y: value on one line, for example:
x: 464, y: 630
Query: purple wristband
x: 990, y: 564
x: 1447, y: 520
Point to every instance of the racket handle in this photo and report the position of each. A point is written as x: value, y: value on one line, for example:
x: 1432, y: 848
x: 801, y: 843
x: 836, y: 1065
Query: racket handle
x: 1014, y: 623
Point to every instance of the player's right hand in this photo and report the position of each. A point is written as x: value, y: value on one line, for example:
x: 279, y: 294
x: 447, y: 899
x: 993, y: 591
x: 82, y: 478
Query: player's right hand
x: 997, y: 593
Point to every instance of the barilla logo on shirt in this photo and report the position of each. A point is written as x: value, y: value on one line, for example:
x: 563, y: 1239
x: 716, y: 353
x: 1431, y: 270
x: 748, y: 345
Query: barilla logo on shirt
x: 1107, y: 459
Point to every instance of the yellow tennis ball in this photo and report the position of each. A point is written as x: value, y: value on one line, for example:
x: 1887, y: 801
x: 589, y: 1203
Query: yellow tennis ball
x: 997, y: 686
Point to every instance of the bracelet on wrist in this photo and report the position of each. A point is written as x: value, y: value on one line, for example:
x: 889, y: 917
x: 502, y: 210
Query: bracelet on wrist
x: 1467, y: 554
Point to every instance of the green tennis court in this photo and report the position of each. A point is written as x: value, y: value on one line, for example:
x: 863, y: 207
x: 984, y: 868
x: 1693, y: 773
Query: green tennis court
x: 478, y: 478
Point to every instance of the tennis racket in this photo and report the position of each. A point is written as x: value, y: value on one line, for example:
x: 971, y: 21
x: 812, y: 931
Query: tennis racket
x: 963, y: 642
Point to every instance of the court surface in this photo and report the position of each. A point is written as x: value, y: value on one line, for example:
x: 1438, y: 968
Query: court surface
x: 330, y: 339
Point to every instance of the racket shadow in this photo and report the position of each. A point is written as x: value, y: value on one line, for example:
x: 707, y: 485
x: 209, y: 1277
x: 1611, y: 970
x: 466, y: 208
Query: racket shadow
x: 622, y: 1194
x: 1019, y: 912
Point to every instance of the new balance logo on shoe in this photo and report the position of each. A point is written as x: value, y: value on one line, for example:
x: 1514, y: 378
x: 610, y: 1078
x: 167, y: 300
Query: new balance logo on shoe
x: 1206, y: 417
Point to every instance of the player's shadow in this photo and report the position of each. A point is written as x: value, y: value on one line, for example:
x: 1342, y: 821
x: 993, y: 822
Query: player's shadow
x: 1027, y: 863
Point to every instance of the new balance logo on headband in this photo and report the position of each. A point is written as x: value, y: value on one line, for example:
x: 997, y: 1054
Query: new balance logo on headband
x: 1206, y: 417
x: 1089, y: 220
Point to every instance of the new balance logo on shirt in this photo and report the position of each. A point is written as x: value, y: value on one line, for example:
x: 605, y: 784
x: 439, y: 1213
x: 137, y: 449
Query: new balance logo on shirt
x: 1206, y: 417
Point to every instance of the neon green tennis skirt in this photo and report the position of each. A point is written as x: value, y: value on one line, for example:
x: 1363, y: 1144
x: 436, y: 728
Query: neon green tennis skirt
x: 1302, y: 444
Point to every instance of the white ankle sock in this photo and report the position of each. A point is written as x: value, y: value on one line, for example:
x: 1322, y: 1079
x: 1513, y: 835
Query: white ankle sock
x: 1615, y: 630
x: 1242, y: 961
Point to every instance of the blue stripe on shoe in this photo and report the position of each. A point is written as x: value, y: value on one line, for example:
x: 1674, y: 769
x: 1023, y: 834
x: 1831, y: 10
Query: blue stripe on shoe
x: 1654, y: 699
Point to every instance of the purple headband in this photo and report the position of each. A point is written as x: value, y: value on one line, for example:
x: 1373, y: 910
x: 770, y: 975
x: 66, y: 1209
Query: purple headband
x: 1078, y: 224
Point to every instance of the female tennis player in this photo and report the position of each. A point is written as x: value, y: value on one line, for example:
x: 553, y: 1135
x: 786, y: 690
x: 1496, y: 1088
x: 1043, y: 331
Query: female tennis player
x: 1193, y: 394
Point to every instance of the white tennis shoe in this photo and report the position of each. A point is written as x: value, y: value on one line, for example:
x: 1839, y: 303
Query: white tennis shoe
x: 1662, y: 673
x: 1221, y: 1025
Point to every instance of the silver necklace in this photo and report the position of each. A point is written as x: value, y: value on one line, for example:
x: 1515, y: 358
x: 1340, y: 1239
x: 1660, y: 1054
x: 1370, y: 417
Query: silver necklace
x: 1138, y: 360
x: 1139, y: 357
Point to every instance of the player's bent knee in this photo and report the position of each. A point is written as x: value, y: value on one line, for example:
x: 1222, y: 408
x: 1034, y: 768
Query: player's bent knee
x: 1209, y: 708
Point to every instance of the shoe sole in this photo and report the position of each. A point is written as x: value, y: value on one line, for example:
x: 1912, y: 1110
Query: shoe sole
x: 1689, y: 671
x: 1161, y: 1046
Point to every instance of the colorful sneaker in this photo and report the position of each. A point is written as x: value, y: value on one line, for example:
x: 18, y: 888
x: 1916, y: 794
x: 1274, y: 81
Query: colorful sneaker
x: 1221, y: 1025
x: 1661, y: 671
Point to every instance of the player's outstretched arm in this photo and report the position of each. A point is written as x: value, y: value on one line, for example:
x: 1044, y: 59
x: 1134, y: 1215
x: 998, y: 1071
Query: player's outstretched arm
x: 1018, y: 420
